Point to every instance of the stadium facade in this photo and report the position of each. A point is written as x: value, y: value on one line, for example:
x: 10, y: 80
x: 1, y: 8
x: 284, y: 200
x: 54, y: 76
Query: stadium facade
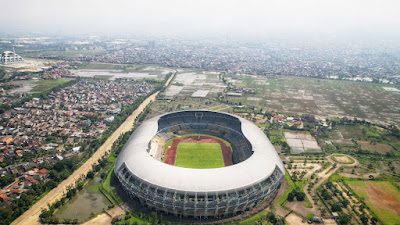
x: 255, y: 176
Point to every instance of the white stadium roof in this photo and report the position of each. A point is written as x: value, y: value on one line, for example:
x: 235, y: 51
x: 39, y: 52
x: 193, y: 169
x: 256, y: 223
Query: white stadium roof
x: 260, y: 165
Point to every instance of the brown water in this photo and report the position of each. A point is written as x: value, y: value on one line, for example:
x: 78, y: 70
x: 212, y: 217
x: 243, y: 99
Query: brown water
x: 83, y: 204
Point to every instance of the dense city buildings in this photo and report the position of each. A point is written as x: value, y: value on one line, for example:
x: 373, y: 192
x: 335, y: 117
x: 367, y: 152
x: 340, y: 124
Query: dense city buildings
x: 50, y: 129
x: 367, y: 60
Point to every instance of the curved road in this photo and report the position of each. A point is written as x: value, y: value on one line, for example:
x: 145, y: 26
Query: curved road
x: 31, y: 216
x: 322, y: 177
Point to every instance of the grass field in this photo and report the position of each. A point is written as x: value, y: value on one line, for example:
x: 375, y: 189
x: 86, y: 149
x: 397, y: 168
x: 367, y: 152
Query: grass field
x: 44, y: 85
x: 199, y: 155
x: 382, y: 197
x: 169, y: 142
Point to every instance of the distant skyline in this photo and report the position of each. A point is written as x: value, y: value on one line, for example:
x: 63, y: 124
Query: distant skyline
x: 236, y: 19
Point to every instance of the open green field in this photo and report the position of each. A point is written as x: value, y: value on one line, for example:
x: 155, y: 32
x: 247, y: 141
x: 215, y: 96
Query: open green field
x: 199, y: 155
x: 382, y: 197
x: 169, y: 142
x: 44, y: 85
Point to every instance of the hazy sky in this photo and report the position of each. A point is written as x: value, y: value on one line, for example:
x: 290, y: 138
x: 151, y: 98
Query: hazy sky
x: 208, y: 17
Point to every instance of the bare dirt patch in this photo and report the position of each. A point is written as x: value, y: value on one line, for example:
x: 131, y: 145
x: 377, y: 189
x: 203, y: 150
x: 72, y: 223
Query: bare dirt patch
x: 342, y: 159
x: 382, y: 199
x: 299, y: 207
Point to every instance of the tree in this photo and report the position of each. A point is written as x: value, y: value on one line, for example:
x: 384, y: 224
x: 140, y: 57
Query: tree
x: 344, y: 218
x: 326, y: 195
x: 300, y: 196
x: 291, y: 196
x: 90, y: 175
x: 329, y: 184
x: 271, y: 218
x: 45, y: 214
x: 6, y: 180
x: 345, y: 203
x: 336, y: 207
x: 310, y: 216
x: 364, y: 219
x: 80, y: 186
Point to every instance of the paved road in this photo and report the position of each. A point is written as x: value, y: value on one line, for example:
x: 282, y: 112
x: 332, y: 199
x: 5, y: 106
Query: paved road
x: 31, y: 216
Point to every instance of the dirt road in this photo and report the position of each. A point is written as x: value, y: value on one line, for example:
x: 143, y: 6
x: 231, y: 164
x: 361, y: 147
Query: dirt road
x: 322, y: 177
x: 31, y: 216
x: 106, y: 218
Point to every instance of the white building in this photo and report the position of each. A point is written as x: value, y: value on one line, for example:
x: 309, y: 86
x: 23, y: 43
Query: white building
x: 10, y: 57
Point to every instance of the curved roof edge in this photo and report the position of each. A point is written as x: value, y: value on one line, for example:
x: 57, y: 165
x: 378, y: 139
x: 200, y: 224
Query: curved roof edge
x: 256, y: 168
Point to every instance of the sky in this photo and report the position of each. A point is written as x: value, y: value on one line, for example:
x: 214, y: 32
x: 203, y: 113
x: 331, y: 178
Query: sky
x: 203, y: 17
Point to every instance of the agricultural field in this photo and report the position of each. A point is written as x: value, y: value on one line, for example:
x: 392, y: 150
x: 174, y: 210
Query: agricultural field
x: 368, y: 139
x: 382, y: 197
x: 375, y: 147
x: 199, y: 155
x: 302, y: 143
x: 320, y: 97
x: 195, y: 84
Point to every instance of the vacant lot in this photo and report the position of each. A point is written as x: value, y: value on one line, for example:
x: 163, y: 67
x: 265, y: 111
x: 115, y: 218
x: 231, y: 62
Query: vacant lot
x: 381, y: 197
x: 199, y: 155
x: 29, y: 86
x: 342, y: 159
x: 350, y: 132
x: 44, y: 85
x: 378, y: 147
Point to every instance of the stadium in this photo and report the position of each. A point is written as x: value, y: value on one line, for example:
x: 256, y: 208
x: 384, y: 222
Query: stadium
x: 199, y: 164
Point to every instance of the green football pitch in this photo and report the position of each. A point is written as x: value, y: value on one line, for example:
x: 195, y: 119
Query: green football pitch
x: 199, y: 155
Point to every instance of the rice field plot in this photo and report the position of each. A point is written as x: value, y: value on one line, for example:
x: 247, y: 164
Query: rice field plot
x: 322, y: 97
